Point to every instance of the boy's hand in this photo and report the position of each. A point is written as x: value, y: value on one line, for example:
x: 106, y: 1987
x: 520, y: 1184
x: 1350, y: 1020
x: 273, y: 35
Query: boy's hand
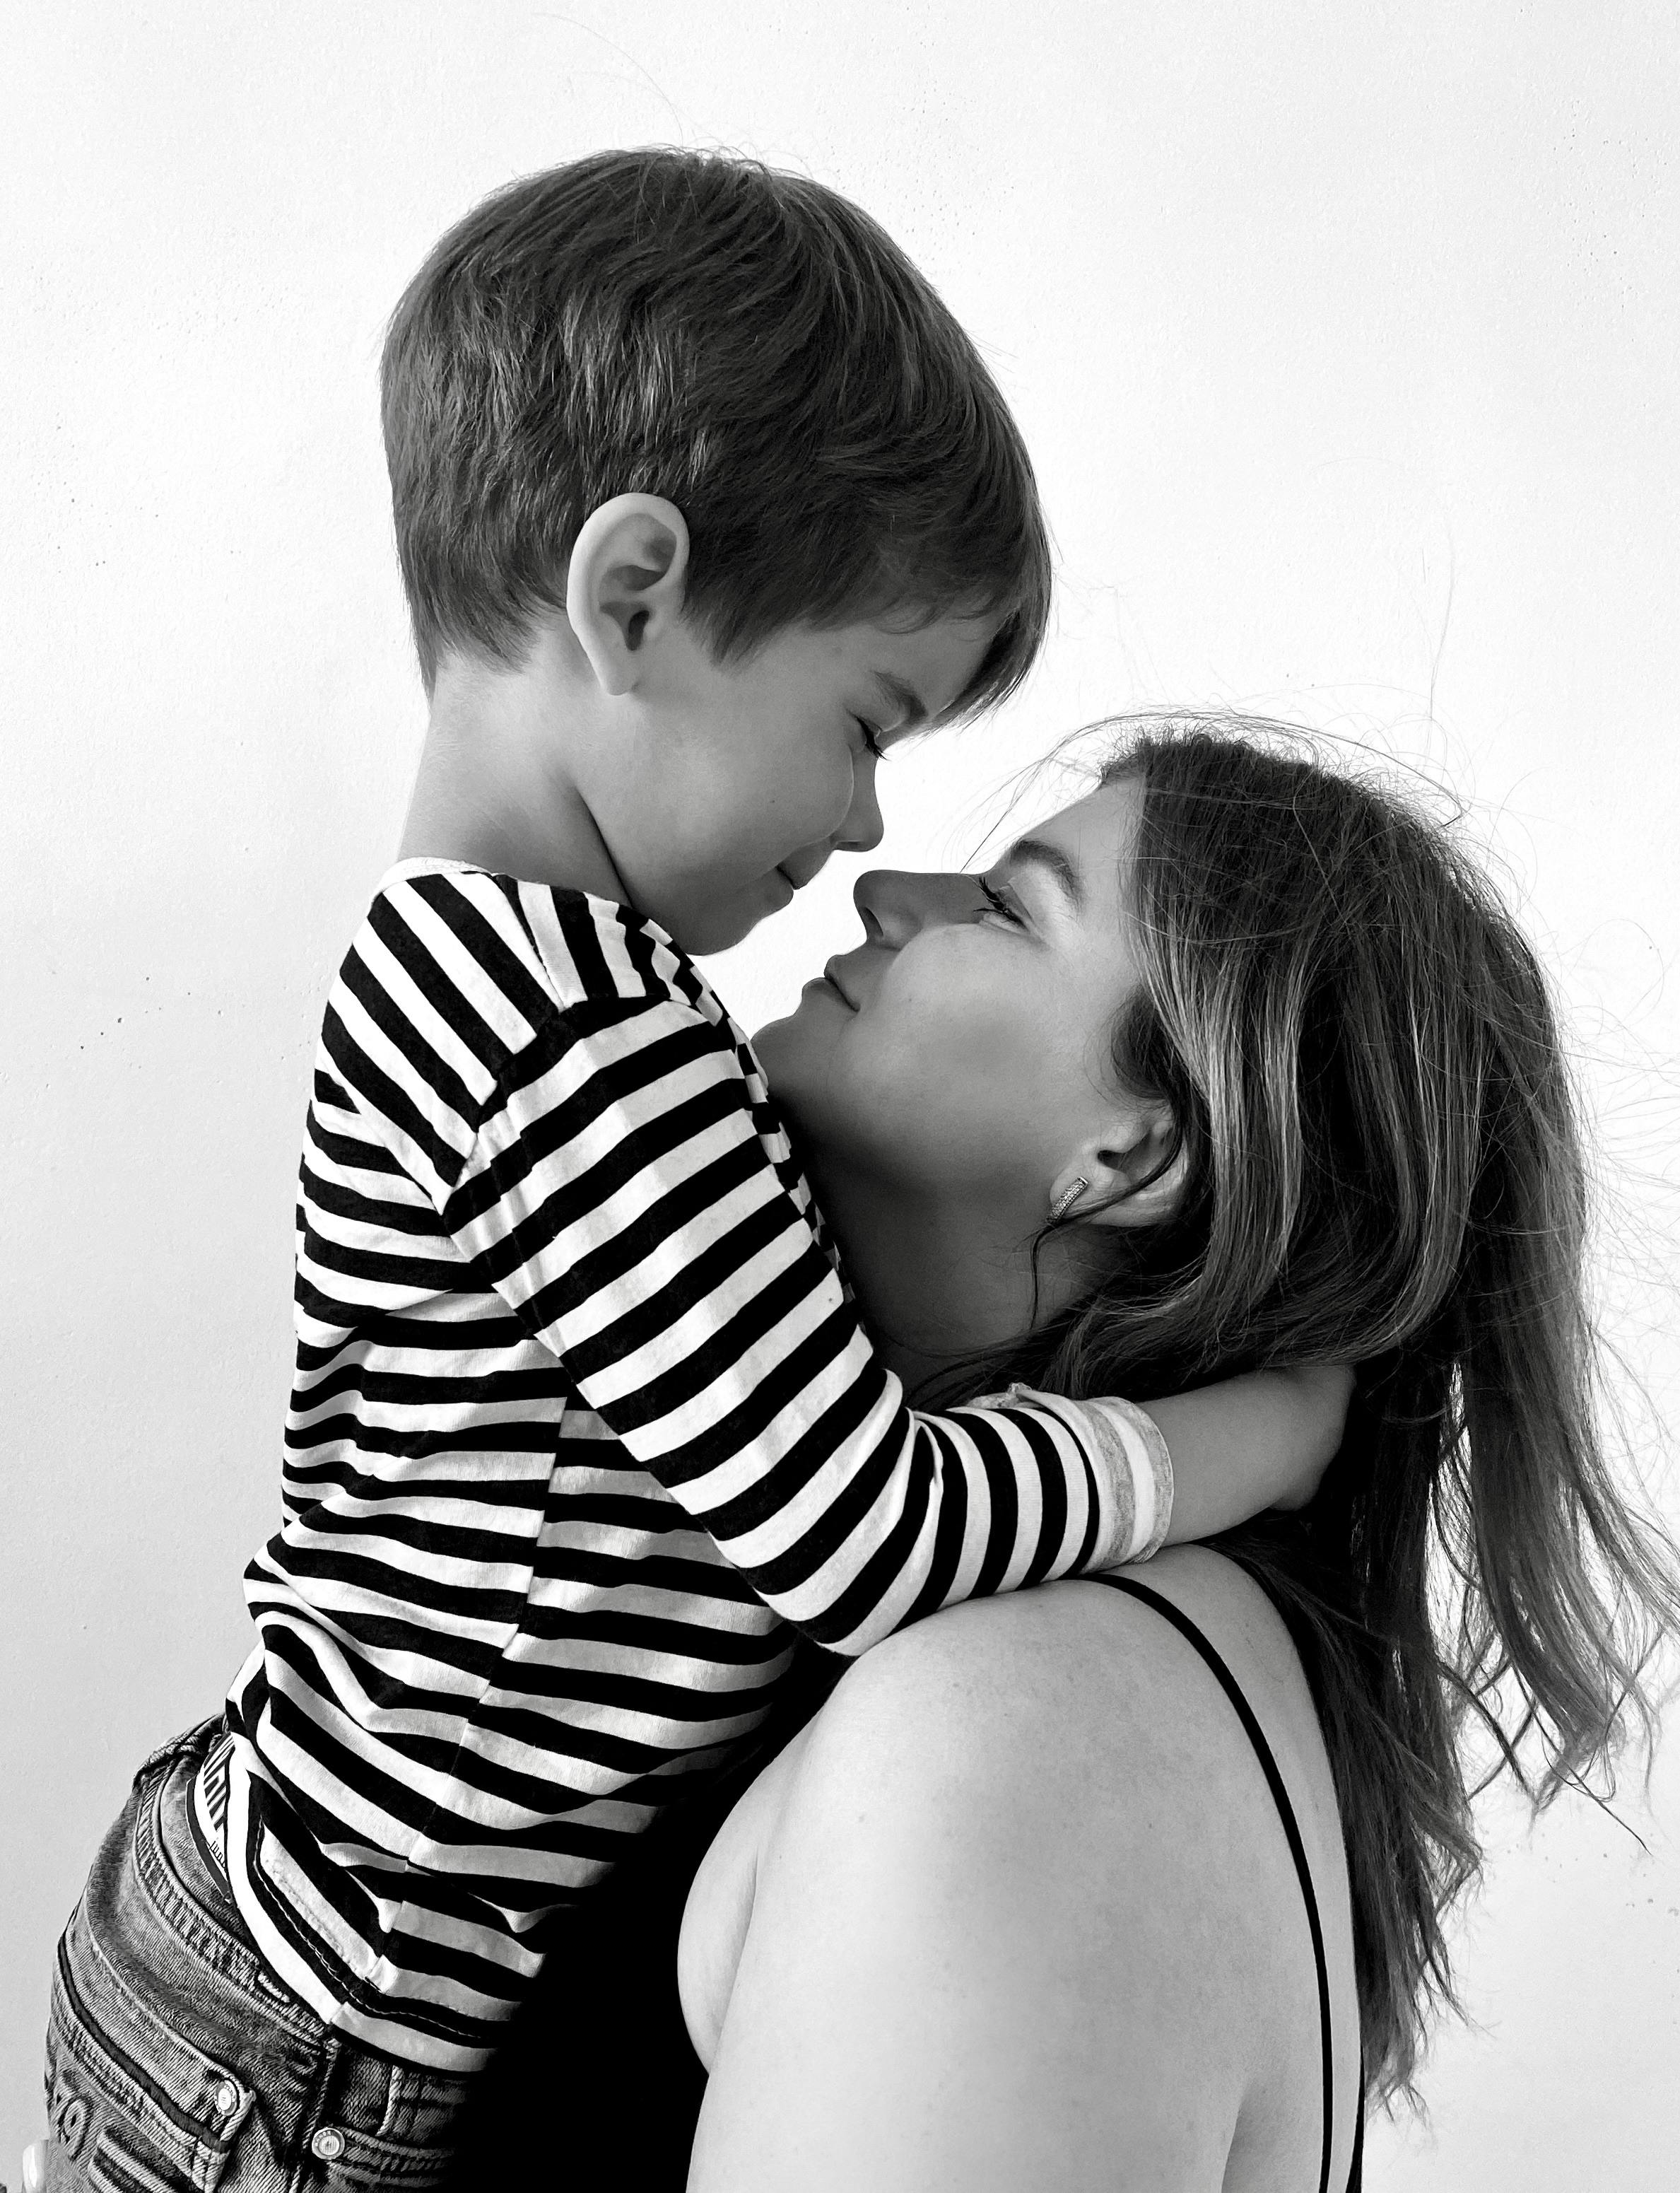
x: 1256, y: 1442
x: 1316, y: 1399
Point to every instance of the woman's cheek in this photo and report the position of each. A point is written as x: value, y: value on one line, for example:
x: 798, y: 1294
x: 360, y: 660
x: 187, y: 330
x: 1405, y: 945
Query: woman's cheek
x: 986, y: 1067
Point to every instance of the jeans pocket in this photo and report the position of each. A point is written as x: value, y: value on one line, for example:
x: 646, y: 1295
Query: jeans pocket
x: 364, y: 2163
x: 134, y: 2107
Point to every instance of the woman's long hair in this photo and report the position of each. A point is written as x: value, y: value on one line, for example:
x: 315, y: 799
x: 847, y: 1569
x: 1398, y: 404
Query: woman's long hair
x: 1384, y: 1165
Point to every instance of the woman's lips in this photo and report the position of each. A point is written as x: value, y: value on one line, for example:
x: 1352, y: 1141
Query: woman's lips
x: 832, y: 982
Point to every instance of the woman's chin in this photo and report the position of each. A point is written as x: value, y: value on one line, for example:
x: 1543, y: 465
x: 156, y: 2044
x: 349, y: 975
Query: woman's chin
x: 791, y: 1053
x: 798, y: 1041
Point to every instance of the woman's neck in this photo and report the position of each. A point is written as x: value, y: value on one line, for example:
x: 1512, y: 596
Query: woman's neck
x: 941, y: 1279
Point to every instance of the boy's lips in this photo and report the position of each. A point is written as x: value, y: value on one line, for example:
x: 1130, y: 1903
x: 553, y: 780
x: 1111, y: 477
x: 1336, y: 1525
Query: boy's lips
x: 802, y: 868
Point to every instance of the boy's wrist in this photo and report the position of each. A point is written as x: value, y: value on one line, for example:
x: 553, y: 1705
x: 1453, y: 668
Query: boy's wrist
x: 1147, y: 1461
x: 1137, y: 1464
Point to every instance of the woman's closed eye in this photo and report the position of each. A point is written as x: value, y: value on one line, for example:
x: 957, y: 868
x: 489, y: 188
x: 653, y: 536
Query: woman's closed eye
x: 996, y: 903
x: 871, y: 738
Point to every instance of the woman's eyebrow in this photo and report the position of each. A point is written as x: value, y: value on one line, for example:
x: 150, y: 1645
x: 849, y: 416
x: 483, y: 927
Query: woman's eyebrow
x: 1035, y: 853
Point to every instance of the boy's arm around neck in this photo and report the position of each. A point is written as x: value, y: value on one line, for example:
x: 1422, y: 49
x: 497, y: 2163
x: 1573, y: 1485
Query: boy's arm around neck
x: 601, y: 1149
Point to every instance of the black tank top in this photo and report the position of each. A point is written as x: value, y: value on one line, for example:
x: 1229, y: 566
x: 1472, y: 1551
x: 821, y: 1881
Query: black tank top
x: 597, y: 2078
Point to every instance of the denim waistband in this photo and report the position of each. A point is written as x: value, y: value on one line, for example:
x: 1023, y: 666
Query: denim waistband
x: 192, y: 1897
x: 175, y: 2055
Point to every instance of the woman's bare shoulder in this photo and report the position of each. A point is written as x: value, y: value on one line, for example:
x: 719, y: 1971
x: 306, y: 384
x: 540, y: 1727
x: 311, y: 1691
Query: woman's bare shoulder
x: 1097, y: 1661
x: 997, y: 1702
x: 1082, y: 1707
x: 1053, y: 1802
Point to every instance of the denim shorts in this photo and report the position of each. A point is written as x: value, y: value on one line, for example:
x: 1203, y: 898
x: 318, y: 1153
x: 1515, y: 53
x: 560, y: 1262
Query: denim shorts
x: 175, y: 2060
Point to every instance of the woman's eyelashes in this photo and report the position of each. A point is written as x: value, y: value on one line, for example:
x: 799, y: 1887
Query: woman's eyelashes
x: 996, y: 903
x: 871, y: 738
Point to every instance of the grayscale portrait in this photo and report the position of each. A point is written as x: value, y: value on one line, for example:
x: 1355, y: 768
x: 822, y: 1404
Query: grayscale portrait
x: 840, y: 1084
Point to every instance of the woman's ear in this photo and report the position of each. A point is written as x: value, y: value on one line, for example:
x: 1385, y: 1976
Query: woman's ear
x: 625, y: 585
x: 1130, y: 1175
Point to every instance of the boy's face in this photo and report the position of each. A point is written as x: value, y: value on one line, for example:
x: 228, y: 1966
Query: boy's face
x: 723, y: 787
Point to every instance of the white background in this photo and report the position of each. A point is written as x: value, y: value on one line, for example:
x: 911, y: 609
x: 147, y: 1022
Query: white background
x: 1344, y: 338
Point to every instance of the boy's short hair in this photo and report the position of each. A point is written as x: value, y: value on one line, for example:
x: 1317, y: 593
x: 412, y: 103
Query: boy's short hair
x: 741, y: 341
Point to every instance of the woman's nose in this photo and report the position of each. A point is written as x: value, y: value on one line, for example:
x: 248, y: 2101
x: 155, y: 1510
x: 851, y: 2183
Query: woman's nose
x: 895, y: 903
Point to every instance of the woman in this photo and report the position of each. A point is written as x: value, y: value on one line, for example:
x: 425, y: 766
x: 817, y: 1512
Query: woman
x: 1031, y: 1902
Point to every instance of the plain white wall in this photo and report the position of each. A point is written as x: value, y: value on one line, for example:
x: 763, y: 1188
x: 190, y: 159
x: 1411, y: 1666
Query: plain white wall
x: 1344, y: 340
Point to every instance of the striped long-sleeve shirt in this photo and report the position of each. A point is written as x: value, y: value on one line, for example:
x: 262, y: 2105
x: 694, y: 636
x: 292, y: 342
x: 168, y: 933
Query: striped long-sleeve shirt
x: 583, y: 1419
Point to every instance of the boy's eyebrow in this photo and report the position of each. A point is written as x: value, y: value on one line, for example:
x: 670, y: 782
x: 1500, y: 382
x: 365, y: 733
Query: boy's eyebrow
x: 912, y: 707
x: 1055, y: 864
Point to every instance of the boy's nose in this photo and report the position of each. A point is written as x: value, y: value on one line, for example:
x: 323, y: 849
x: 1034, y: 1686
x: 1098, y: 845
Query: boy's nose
x: 862, y: 830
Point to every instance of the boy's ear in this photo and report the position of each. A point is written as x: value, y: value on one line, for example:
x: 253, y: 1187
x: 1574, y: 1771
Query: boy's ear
x: 625, y: 584
x: 1134, y: 1172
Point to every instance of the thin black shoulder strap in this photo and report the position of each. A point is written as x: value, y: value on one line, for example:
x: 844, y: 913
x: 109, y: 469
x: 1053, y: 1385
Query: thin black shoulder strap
x: 1286, y: 1812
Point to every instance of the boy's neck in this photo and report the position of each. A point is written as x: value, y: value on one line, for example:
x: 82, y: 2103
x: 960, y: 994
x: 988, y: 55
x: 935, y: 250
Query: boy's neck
x: 492, y: 787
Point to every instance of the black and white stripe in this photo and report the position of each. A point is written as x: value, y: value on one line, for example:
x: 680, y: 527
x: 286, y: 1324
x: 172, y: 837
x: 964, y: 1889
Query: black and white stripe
x: 583, y: 1419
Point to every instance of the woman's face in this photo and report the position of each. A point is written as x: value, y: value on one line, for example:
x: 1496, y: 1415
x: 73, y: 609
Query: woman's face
x: 963, y: 1047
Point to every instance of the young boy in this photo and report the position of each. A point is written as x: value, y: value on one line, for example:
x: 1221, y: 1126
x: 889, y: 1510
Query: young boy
x: 702, y: 499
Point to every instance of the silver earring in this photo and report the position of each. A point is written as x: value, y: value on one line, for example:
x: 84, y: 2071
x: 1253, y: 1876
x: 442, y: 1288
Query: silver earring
x: 1060, y: 1208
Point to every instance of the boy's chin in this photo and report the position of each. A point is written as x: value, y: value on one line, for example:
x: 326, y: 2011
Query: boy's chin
x: 707, y: 935
x: 722, y: 925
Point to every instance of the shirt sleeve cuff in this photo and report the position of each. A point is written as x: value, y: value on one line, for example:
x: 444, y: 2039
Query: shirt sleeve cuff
x: 1131, y: 1452
x: 1145, y: 1466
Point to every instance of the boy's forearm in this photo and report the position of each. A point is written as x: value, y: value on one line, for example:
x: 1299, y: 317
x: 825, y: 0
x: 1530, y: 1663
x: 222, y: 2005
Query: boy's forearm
x: 907, y: 1512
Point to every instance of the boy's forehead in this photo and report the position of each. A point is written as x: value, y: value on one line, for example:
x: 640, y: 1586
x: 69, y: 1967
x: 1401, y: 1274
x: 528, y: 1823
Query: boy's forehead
x: 911, y: 626
x: 923, y: 668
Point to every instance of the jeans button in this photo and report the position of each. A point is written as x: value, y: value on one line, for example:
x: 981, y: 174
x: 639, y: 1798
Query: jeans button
x: 327, y: 2144
x: 226, y: 2098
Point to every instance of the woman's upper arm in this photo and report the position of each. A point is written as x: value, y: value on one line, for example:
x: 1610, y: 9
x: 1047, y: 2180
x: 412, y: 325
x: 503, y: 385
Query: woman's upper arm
x: 1001, y: 1936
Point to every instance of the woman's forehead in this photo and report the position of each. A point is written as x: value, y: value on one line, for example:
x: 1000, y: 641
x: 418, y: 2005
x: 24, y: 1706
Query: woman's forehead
x: 1096, y: 832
